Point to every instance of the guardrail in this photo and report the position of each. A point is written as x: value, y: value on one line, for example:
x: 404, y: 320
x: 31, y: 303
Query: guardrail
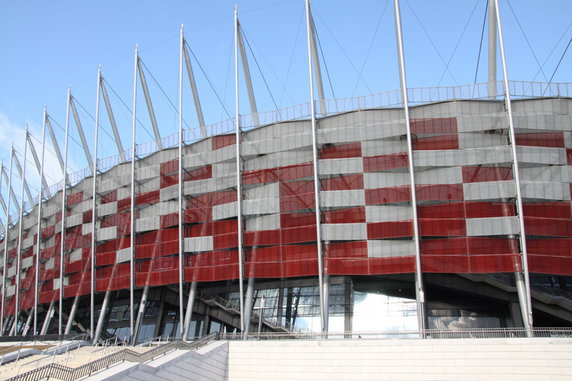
x: 468, y: 333
x: 62, y: 372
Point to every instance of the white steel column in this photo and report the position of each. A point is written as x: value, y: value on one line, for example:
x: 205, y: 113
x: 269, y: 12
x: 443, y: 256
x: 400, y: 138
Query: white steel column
x: 323, y: 323
x: 195, y: 91
x: 39, y: 223
x: 94, y: 207
x: 63, y: 211
x: 48, y: 318
x: 55, y: 143
x: 10, y: 190
x: 238, y: 136
x: 81, y: 134
x: 180, y: 187
x: 149, y: 105
x: 23, y: 177
x: 317, y: 68
x: 189, y: 312
x: 247, y: 78
x: 528, y: 321
x: 132, y: 217
x: 6, y: 239
x: 43, y: 184
x: 492, y: 83
x: 111, y: 116
x: 419, y: 291
x: 20, y: 231
x: 101, y: 318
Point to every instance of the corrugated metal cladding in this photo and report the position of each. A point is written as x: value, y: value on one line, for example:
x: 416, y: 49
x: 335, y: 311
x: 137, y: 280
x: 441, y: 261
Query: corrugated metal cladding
x: 465, y: 195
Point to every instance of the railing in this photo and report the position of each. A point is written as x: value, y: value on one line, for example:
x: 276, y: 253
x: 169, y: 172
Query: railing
x: 62, y: 372
x: 469, y: 333
x: 386, y: 99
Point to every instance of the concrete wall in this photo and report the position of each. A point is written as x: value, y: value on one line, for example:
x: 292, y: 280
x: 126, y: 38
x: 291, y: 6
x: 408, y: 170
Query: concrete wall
x: 406, y: 359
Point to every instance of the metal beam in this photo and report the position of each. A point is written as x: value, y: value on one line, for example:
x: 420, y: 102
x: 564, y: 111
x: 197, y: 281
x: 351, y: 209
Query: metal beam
x: 180, y: 187
x: 419, y: 289
x: 247, y: 78
x: 23, y: 177
x: 528, y: 321
x: 37, y: 162
x: 101, y: 318
x: 94, y: 206
x: 140, y: 312
x: 317, y: 68
x: 6, y: 239
x: 195, y: 91
x: 112, y: 120
x: 63, y: 211
x: 81, y: 134
x: 49, y: 315
x: 149, y: 104
x: 71, y: 316
x: 11, y: 192
x: 132, y: 206
x: 189, y: 311
x: 55, y: 143
x: 20, y: 233
x: 39, y: 227
x: 492, y: 56
x: 238, y: 136
x: 323, y: 323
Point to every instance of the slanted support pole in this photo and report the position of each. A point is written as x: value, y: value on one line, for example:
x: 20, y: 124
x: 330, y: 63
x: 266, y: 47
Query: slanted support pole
x: 189, y: 312
x: 81, y: 134
x: 12, y: 194
x: 323, y: 323
x: 39, y: 224
x: 140, y: 313
x: 101, y: 318
x: 316, y: 61
x: 112, y: 121
x: 20, y: 232
x: 248, y: 305
x: 492, y: 83
x: 247, y: 78
x: 149, y: 104
x: 6, y: 239
x: 419, y: 289
x: 63, y: 221
x: 527, y: 318
x: 36, y: 160
x: 195, y: 91
x: 71, y: 316
x: 238, y: 136
x: 48, y: 318
x: 55, y: 142
x: 23, y: 177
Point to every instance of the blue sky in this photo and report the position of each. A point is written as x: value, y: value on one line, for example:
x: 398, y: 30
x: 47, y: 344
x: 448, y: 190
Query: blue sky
x: 48, y: 45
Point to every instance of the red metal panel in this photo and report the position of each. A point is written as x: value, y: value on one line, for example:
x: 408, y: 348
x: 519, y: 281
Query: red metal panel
x: 440, y: 192
x: 434, y: 126
x: 552, y: 209
x: 343, y: 182
x: 541, y: 139
x: 289, y: 220
x: 109, y: 197
x: 152, y: 197
x: 370, y: 266
x: 220, y: 141
x: 387, y: 195
x: 482, y: 174
x: 385, y: 162
x: 442, y: 227
x: 344, y: 216
x: 287, y: 173
x: 548, y: 226
x: 392, y: 229
x: 561, y: 247
x: 330, y: 151
x: 544, y: 264
x: 440, y: 142
x: 74, y: 198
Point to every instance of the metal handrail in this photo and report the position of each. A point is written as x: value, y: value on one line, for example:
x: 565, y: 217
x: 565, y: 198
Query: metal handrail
x: 62, y: 372
x: 466, y: 333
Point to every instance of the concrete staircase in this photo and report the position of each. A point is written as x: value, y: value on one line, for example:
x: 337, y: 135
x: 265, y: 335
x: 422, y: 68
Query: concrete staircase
x: 207, y: 363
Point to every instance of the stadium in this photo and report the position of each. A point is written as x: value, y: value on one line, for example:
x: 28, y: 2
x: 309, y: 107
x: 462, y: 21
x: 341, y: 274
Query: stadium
x: 426, y: 209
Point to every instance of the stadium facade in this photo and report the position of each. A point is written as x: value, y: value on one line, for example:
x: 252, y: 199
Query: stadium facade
x: 337, y: 215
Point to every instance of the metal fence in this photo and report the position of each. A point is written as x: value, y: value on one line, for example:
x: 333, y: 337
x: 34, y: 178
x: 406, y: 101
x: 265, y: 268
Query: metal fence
x: 62, y: 372
x: 468, y: 333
